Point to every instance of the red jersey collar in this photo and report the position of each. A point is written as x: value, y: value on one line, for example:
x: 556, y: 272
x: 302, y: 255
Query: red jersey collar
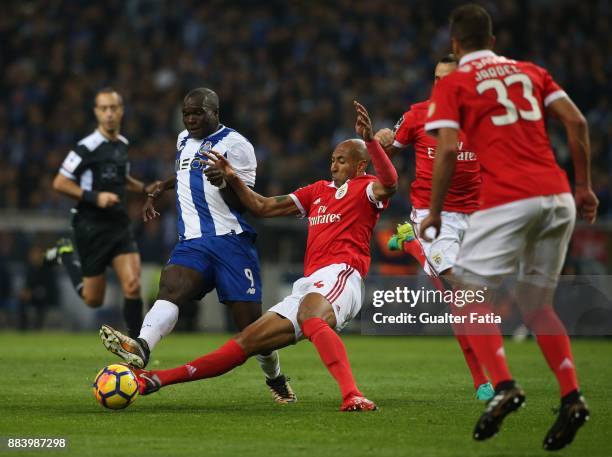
x: 476, y: 55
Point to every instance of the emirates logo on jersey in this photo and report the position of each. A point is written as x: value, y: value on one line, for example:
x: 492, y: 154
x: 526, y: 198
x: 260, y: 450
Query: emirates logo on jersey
x: 323, y: 218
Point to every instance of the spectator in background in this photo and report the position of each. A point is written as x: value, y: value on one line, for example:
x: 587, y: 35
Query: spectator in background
x: 39, y: 292
x: 307, y: 59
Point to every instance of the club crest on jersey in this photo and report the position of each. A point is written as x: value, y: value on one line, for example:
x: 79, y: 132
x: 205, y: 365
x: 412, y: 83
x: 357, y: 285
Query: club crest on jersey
x: 342, y: 190
x: 437, y: 258
x: 206, y: 147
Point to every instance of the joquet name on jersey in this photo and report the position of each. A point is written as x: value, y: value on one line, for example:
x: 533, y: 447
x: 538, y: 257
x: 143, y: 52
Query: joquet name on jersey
x: 200, y: 206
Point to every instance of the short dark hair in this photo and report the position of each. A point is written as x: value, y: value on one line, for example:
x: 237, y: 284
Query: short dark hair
x: 471, y: 26
x: 108, y: 90
x: 449, y: 58
x: 207, y: 96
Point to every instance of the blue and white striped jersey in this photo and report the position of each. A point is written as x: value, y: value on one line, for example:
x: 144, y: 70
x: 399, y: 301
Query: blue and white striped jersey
x: 200, y: 207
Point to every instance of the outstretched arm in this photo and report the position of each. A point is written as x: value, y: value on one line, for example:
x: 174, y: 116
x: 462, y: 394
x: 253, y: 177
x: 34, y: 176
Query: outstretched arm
x: 257, y: 204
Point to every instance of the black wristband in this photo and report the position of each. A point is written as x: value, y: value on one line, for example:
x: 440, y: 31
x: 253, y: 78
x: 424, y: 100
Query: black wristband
x: 90, y: 196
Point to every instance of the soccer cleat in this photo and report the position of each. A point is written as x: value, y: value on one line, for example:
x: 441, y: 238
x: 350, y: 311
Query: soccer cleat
x: 572, y: 415
x: 485, y: 391
x: 357, y: 403
x: 134, y: 351
x: 282, y: 392
x: 506, y: 400
x: 53, y: 256
x: 403, y: 233
x: 148, y: 382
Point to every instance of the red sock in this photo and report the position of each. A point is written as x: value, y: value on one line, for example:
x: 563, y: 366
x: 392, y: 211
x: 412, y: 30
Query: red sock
x: 478, y: 376
x: 555, y: 345
x: 215, y: 363
x: 415, y: 249
x: 332, y: 353
x: 487, y: 343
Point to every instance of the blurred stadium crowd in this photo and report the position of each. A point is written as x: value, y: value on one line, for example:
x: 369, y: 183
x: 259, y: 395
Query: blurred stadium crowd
x: 285, y: 72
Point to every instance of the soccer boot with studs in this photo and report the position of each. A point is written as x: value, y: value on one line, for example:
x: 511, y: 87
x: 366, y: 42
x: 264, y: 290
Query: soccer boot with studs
x: 133, y: 351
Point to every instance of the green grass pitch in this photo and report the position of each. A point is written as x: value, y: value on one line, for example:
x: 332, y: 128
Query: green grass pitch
x: 420, y: 384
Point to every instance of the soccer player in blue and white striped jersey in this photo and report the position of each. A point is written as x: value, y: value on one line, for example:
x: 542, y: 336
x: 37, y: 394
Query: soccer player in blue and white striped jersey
x: 216, y: 247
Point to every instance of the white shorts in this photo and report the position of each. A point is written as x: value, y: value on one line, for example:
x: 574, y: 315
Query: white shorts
x: 442, y: 251
x: 528, y: 237
x: 339, y: 283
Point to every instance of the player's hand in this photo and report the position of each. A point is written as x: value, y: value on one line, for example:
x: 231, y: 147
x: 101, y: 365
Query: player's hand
x: 385, y: 137
x: 107, y: 199
x: 363, y: 125
x: 433, y: 220
x: 148, y: 210
x: 219, y: 169
x: 155, y: 189
x: 586, y: 203
x: 215, y: 177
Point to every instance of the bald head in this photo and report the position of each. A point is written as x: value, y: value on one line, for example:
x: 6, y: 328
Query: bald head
x: 349, y: 159
x: 204, y: 97
x: 355, y: 149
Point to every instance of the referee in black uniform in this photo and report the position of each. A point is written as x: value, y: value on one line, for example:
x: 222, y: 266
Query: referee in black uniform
x: 96, y: 173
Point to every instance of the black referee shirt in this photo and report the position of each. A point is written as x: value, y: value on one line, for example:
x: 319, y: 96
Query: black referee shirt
x: 100, y: 165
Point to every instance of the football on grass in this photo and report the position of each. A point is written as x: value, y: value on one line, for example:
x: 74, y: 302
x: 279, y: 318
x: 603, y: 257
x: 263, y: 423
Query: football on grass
x: 115, y: 387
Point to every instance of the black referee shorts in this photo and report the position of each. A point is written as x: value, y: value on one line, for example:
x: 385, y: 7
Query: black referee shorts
x: 99, y: 242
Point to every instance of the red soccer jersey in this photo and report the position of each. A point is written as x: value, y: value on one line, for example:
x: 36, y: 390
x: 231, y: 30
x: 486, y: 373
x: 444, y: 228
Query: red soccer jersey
x: 340, y: 222
x: 464, y: 190
x: 499, y: 104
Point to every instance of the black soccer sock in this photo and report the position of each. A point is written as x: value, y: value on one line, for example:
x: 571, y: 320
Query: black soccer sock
x: 132, y: 314
x: 73, y: 267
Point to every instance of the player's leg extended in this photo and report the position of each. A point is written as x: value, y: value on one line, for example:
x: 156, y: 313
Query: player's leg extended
x: 317, y: 319
x: 266, y: 334
x: 178, y: 284
x: 127, y: 267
